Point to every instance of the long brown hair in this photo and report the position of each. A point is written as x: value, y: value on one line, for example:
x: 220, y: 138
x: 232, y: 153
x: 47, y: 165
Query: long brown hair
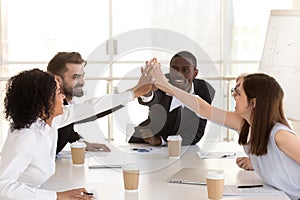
x: 267, y: 111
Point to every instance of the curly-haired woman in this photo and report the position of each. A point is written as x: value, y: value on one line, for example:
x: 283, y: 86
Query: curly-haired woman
x: 34, y: 106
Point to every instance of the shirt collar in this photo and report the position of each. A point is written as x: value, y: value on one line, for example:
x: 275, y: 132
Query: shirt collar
x: 176, y: 102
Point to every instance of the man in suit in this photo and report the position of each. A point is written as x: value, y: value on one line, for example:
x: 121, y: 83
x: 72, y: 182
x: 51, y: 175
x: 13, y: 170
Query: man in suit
x: 69, y: 68
x: 167, y: 116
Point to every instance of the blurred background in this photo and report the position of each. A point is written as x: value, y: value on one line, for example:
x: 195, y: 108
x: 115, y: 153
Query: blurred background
x: 229, y: 33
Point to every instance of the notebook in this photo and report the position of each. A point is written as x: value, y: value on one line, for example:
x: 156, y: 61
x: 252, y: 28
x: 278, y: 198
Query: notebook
x: 99, y: 163
x: 113, y: 159
x: 193, y: 176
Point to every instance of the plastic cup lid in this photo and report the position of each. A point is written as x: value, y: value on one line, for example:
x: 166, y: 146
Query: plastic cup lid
x: 215, y: 174
x: 130, y: 166
x: 174, y: 138
x: 78, y: 145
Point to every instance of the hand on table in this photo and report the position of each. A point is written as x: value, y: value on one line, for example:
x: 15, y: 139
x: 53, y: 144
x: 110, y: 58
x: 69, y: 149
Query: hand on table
x: 79, y: 193
x: 96, y: 147
x: 149, y: 137
x: 244, y: 163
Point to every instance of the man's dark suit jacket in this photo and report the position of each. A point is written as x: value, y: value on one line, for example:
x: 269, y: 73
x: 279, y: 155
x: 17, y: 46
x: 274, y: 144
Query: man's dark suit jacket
x: 164, y: 123
x: 67, y: 134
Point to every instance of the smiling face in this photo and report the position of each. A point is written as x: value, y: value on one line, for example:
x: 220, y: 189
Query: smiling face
x: 73, y: 81
x: 182, y: 73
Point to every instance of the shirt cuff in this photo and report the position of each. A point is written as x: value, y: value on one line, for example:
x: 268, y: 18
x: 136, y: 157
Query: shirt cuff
x: 163, y: 143
x: 147, y: 99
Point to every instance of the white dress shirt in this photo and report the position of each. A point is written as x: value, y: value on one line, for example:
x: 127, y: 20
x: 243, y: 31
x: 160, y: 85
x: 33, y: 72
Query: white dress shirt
x: 28, y: 155
x: 174, y: 103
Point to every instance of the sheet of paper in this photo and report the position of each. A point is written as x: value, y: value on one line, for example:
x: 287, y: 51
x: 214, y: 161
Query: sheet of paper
x: 233, y: 190
x: 216, y: 155
x: 67, y: 154
x: 117, y: 157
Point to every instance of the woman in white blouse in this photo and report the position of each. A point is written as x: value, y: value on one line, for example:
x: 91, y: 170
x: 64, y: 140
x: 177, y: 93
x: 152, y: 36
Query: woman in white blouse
x: 34, y: 106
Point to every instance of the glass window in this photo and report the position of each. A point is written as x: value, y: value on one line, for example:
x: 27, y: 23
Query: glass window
x: 230, y: 34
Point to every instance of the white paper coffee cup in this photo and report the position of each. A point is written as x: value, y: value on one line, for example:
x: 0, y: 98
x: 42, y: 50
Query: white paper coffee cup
x: 131, y: 174
x: 174, y: 145
x: 215, y: 184
x: 78, y: 152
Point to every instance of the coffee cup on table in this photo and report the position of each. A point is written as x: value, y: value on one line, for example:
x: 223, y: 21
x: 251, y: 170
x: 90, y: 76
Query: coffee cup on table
x: 78, y: 152
x: 174, y: 145
x: 131, y: 174
x: 215, y: 184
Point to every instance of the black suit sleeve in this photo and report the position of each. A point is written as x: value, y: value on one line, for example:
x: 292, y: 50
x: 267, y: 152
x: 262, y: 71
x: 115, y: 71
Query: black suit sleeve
x: 157, y: 117
x: 99, y: 115
x: 136, y: 136
x: 200, y: 132
x: 67, y: 134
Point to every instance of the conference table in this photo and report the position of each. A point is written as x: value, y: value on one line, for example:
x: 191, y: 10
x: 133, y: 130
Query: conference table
x: 155, y: 168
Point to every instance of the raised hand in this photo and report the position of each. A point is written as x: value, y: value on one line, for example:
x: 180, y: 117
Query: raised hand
x: 145, y: 83
x: 160, y: 80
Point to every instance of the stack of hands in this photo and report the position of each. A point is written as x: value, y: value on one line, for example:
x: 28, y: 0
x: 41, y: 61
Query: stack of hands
x: 152, y: 78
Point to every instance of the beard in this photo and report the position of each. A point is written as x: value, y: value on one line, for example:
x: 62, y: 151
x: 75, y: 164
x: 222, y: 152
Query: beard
x: 75, y: 91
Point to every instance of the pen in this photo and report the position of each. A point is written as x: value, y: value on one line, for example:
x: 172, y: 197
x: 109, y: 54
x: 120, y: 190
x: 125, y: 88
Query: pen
x: 249, y: 186
x: 187, y: 182
x: 87, y: 193
x: 141, y: 149
x: 192, y: 183
x: 227, y: 155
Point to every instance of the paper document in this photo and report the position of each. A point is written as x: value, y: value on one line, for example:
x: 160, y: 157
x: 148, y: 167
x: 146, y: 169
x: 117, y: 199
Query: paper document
x: 233, y: 190
x: 114, y: 159
x: 68, y: 154
x: 215, y: 155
